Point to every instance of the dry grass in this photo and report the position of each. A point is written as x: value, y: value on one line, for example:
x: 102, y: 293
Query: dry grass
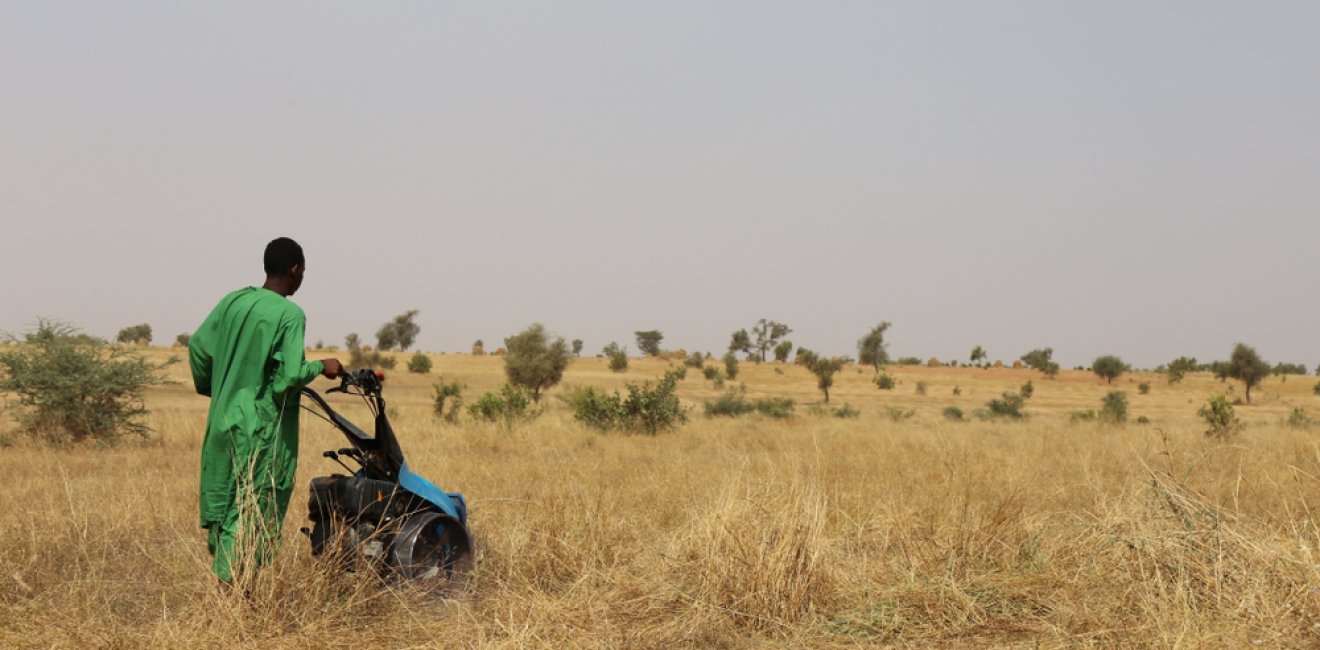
x: 727, y: 533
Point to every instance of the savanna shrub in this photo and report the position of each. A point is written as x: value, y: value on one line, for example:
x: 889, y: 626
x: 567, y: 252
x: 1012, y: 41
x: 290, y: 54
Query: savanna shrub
x: 884, y: 381
x: 953, y: 413
x: 648, y: 408
x: 730, y: 366
x: 711, y: 372
x: 897, y: 414
x: 448, y: 400
x: 697, y: 360
x: 511, y: 404
x: 1143, y: 388
x: 846, y: 411
x: 1316, y: 390
x: 1027, y: 390
x: 1113, y: 408
x: 73, y: 387
x: 419, y: 363
x: 921, y: 388
x: 1009, y: 405
x: 735, y: 403
x: 1218, y: 413
x: 1298, y: 419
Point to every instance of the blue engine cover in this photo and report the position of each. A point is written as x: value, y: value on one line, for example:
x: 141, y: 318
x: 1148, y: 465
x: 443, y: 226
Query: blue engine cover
x: 450, y: 503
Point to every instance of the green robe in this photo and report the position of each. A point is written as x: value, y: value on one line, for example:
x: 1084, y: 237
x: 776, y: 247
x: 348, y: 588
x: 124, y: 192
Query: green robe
x: 248, y: 357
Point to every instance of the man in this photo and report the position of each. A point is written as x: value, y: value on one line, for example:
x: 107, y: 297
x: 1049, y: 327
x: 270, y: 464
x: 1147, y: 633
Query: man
x: 248, y: 358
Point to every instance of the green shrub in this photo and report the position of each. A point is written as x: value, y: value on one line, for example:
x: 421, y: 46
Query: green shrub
x: 884, y: 381
x: 1113, y: 407
x: 1143, y: 388
x: 1027, y: 390
x: 1218, y: 413
x: 134, y: 334
x: 846, y: 411
x: 1082, y: 416
x: 510, y: 405
x: 182, y: 340
x: 1141, y: 419
x: 957, y: 390
x: 697, y: 360
x: 921, y: 388
x: 73, y: 387
x: 1009, y: 405
x: 534, y: 360
x: 646, y: 409
x: 1298, y: 419
x: 711, y: 372
x: 953, y: 413
x: 730, y: 366
x: 419, y: 363
x: 387, y: 362
x: 680, y: 372
x: 1316, y: 389
x: 448, y: 400
x: 618, y: 357
x: 735, y: 403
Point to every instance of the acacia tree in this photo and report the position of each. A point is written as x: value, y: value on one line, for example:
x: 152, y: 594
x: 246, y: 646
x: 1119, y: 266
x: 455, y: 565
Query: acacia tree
x: 1042, y: 359
x: 648, y: 341
x: 134, y: 334
x: 782, y: 351
x: 1246, y: 366
x: 871, y: 348
x: 740, y: 341
x: 1178, y: 368
x: 978, y: 353
x: 768, y: 333
x: 400, y: 332
x: 825, y: 368
x: 533, y: 361
x: 1108, y: 367
x: 577, y: 347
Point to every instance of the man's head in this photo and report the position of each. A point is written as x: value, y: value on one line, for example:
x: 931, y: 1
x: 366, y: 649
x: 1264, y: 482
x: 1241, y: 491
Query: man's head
x: 284, y: 266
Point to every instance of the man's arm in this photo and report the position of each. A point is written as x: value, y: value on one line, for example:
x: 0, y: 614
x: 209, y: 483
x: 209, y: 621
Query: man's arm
x: 200, y: 352
x: 292, y: 369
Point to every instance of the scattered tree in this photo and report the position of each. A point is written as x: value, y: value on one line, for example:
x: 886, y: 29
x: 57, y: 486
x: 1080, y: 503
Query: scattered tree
x: 768, y: 333
x: 1178, y: 368
x: 1246, y: 366
x: 577, y: 347
x: 825, y: 368
x: 448, y: 400
x: 783, y: 350
x: 740, y: 341
x: 1108, y: 368
x: 618, y: 357
x: 731, y: 366
x: 1113, y: 408
x: 478, y: 349
x: 534, y: 361
x: 649, y: 342
x: 871, y: 348
x: 400, y: 332
x: 978, y: 354
x: 647, y: 408
x: 1042, y: 359
x: 135, y: 334
x: 1218, y: 413
x: 1282, y: 370
x: 182, y: 340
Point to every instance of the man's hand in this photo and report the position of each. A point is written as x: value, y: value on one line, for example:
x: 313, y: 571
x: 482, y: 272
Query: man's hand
x: 331, y: 368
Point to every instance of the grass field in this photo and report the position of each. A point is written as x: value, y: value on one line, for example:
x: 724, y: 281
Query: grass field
x: 808, y: 532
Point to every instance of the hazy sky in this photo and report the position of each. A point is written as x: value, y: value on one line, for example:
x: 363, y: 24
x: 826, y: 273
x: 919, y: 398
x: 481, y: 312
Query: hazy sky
x: 1136, y: 178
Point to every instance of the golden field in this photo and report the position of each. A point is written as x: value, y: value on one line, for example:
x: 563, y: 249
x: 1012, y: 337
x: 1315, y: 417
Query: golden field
x: 809, y: 532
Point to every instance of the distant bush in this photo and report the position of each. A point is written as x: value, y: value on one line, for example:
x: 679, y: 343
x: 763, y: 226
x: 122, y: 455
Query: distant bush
x: 510, y: 405
x: 1113, y: 409
x: 845, y: 411
x: 680, y: 372
x: 884, y: 381
x: 1178, y: 368
x: 1108, y: 367
x: 478, y: 348
x: 695, y: 361
x: 1141, y: 419
x: 648, y: 408
x: 1009, y: 405
x: 953, y: 413
x: 921, y: 388
x: 1087, y: 415
x: 1298, y: 419
x: 908, y: 361
x: 364, y: 357
x: 1316, y: 389
x: 710, y: 372
x: 782, y: 350
x: 730, y: 366
x: 1218, y: 413
x: 135, y: 334
x: 1143, y: 388
x: 448, y: 400
x: 387, y: 362
x: 957, y: 390
x: 1027, y: 390
x: 419, y: 363
x: 73, y: 387
x: 735, y: 403
x: 618, y: 357
x: 182, y: 340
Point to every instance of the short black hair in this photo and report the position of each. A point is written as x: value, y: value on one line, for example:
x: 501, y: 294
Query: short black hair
x: 282, y: 254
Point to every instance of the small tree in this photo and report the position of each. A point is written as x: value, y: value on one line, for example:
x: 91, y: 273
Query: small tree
x: 140, y: 333
x: 1218, y: 413
x: 182, y: 340
x: 1108, y: 367
x: 825, y: 368
x: 1042, y: 359
x: 1113, y: 408
x: 400, y: 332
x: 1178, y: 368
x: 478, y: 348
x: 740, y: 341
x: 534, y: 361
x: 448, y: 400
x: 72, y: 387
x: 419, y: 363
x: 768, y: 333
x: 978, y: 353
x: 648, y: 341
x: 871, y: 348
x: 1246, y: 366
x: 783, y: 350
x: 577, y: 347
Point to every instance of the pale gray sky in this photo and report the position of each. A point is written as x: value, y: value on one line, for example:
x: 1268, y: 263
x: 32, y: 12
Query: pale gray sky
x: 1133, y: 178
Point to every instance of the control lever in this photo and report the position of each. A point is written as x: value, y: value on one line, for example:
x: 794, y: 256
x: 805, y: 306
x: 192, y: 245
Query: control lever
x: 335, y: 457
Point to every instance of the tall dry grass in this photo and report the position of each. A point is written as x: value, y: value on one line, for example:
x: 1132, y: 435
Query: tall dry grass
x: 814, y: 531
